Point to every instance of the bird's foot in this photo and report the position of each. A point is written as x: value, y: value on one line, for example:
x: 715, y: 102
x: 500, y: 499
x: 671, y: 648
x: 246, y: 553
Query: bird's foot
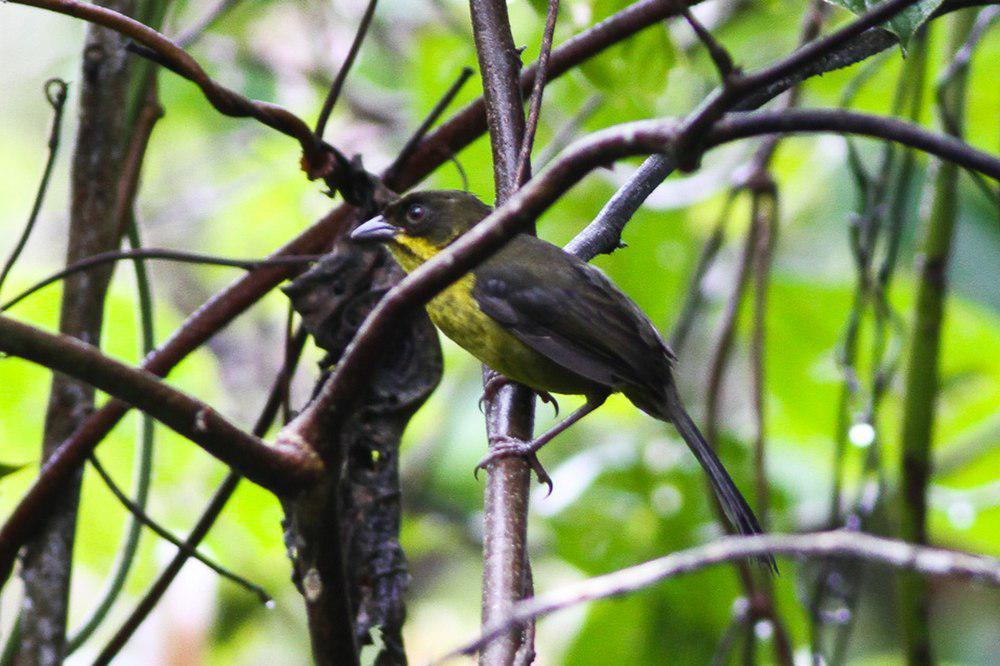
x: 548, y: 398
x: 505, y: 446
x: 491, y: 387
x: 497, y: 381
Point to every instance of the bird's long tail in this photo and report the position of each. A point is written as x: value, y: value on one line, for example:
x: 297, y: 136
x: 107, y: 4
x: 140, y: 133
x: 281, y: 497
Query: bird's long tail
x: 734, y: 505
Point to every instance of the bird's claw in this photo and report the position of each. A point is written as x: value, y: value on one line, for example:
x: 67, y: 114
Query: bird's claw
x: 505, y: 446
x: 497, y: 381
x: 548, y: 398
x: 493, y: 384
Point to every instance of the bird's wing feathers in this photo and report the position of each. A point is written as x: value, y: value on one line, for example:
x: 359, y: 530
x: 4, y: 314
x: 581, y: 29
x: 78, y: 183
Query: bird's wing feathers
x: 570, y: 312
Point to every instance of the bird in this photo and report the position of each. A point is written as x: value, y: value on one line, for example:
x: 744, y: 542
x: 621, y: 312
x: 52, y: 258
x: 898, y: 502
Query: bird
x: 543, y: 317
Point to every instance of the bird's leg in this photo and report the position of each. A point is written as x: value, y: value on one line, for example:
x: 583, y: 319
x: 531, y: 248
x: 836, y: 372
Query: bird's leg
x: 496, y: 381
x: 505, y: 446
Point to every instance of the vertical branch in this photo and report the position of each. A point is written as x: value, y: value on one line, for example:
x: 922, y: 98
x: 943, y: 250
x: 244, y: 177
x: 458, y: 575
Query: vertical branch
x: 510, y: 410
x: 95, y: 226
x: 922, y: 373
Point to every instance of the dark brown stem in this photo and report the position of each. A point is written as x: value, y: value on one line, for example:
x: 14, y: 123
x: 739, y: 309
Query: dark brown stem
x: 509, y: 411
x: 55, y: 93
x: 338, y: 81
x: 209, y: 515
x: 319, y: 161
x: 523, y: 170
x: 283, y: 469
x: 157, y: 253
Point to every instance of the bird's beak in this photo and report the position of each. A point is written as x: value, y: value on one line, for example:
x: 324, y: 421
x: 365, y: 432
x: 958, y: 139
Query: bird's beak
x: 375, y: 229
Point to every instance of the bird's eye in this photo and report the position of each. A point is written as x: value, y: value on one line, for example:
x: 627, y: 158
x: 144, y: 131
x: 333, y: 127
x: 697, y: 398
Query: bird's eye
x: 415, y: 213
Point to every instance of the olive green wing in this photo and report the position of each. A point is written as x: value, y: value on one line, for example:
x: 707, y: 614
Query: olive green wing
x: 571, y: 313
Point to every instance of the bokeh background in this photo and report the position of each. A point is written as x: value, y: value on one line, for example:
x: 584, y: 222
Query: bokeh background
x: 625, y: 488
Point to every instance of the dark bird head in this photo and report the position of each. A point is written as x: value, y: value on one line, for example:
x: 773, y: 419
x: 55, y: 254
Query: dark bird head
x: 419, y: 225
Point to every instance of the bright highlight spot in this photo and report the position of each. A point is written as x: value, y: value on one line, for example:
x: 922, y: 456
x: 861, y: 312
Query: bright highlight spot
x: 861, y: 435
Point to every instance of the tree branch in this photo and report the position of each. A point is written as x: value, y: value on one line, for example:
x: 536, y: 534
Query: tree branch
x: 320, y: 160
x: 936, y: 562
x: 284, y: 469
x: 55, y: 93
x: 510, y: 410
x: 523, y: 170
x: 598, y: 149
x: 338, y: 81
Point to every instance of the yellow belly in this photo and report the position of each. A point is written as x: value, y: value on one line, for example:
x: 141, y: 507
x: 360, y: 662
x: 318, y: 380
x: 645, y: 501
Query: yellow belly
x: 455, y: 313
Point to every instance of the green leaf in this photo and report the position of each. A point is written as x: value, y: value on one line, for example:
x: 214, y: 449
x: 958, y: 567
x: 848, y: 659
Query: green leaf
x: 904, y: 24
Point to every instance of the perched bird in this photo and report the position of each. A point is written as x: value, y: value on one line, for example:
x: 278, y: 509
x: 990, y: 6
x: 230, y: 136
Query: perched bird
x: 542, y: 317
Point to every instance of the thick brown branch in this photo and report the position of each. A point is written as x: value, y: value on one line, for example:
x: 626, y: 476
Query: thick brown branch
x: 284, y: 469
x: 215, y: 314
x: 598, y: 149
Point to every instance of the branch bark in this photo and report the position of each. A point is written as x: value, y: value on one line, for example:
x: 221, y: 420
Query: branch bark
x: 936, y: 562
x: 509, y: 410
x: 284, y: 470
x: 94, y: 226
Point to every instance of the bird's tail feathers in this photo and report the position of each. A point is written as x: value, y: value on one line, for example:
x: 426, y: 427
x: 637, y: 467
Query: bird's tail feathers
x: 734, y: 505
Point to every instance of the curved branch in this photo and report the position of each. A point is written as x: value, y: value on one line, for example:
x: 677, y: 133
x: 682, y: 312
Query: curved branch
x: 598, y: 149
x: 797, y: 121
x: 157, y: 253
x: 437, y: 148
x: 936, y: 562
x: 173, y: 57
x: 223, y: 307
x: 283, y: 469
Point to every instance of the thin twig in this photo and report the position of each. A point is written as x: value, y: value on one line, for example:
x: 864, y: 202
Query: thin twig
x: 338, y: 81
x: 936, y: 562
x: 428, y: 122
x: 196, y: 30
x: 158, y: 253
x: 523, y: 170
x: 282, y: 469
x: 211, y: 512
x: 55, y: 93
x: 169, y: 537
x: 450, y: 137
x: 321, y: 160
x: 720, y: 56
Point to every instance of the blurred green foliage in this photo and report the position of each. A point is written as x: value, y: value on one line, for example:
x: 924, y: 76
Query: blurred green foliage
x: 626, y: 490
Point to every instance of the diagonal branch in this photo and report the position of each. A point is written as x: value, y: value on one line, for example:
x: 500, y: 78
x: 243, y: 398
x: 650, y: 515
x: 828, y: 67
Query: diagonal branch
x: 338, y: 81
x: 318, y: 156
x: 448, y: 139
x: 936, y: 562
x: 284, y: 469
x: 523, y: 170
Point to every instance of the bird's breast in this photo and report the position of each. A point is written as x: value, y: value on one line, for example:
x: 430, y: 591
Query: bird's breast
x: 457, y: 314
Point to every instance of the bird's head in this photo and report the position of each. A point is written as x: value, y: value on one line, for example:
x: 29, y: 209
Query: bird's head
x: 421, y: 224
